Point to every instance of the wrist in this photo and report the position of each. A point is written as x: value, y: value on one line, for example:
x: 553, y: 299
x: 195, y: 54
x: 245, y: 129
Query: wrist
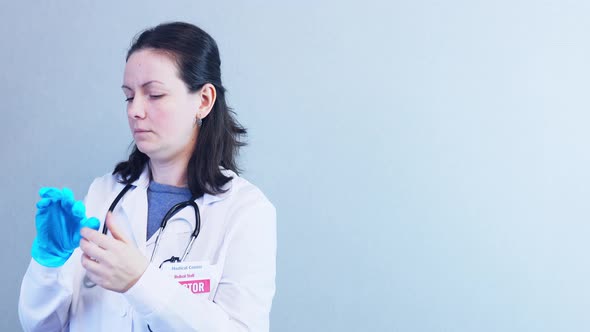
x: 132, y: 283
x: 47, y: 257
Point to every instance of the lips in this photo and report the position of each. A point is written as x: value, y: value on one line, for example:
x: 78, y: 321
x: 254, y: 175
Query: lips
x: 139, y: 131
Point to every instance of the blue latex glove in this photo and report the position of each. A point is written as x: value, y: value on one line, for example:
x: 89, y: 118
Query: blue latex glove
x: 58, y: 220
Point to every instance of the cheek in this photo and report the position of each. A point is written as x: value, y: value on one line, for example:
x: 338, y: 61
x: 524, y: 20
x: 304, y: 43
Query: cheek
x: 174, y: 120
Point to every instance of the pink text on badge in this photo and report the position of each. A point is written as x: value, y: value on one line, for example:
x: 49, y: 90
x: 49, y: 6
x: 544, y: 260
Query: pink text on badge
x: 197, y: 286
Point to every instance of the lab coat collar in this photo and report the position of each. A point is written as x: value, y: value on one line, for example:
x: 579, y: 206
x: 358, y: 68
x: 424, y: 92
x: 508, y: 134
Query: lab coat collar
x: 143, y: 182
x: 138, y: 198
x: 144, y: 179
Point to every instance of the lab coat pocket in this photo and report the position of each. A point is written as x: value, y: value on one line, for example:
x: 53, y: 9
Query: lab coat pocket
x: 198, y: 277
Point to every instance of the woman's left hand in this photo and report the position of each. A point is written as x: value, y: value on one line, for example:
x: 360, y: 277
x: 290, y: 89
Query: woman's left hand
x: 114, y: 262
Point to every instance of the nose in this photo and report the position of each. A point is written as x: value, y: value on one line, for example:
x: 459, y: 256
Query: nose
x: 136, y: 108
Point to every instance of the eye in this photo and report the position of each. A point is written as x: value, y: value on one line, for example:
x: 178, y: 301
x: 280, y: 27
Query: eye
x: 156, y: 96
x: 129, y: 99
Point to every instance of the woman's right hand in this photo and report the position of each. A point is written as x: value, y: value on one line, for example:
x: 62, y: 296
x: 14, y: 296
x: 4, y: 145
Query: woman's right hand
x: 58, y: 220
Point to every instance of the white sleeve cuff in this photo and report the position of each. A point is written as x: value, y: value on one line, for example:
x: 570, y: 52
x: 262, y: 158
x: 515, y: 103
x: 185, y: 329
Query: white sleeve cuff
x: 39, y: 271
x: 151, y: 293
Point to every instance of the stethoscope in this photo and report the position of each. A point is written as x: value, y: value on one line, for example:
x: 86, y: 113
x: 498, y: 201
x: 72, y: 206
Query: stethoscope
x: 89, y: 284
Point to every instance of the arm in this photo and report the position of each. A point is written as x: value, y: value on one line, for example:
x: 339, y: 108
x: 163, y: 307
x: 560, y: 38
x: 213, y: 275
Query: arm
x: 47, y: 287
x: 244, y: 294
x: 45, y: 297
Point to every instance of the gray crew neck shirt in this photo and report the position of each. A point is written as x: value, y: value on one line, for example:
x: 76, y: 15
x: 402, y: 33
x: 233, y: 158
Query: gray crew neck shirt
x: 161, y: 198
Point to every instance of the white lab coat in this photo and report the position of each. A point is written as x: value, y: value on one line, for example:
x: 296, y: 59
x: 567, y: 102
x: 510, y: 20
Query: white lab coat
x: 238, y: 237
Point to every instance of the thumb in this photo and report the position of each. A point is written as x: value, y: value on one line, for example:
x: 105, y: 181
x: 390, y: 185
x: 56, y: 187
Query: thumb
x: 114, y: 229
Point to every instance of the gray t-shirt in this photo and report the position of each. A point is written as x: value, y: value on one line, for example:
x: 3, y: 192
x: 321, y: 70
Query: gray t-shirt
x: 161, y: 198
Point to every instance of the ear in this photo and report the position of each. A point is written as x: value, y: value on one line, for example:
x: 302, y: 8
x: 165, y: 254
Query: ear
x: 208, y: 96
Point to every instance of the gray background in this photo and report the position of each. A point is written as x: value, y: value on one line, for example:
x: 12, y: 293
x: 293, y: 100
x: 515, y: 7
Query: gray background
x: 428, y: 159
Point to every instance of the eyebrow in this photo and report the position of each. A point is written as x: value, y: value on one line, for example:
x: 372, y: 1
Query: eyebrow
x: 143, y: 85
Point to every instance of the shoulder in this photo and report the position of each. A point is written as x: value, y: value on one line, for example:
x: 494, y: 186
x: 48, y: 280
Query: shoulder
x: 244, y: 202
x: 112, y: 182
x: 101, y: 192
x: 104, y: 184
x: 243, y: 192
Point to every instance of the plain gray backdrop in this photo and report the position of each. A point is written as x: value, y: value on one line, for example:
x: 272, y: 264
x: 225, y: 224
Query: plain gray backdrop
x: 428, y: 159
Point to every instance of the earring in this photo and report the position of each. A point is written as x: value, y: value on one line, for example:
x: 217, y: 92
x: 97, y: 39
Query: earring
x: 198, y: 121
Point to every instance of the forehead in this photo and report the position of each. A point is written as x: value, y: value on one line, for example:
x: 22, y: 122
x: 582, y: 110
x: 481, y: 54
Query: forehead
x: 147, y: 65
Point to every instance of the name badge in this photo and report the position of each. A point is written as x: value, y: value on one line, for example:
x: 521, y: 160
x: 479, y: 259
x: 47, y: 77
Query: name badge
x: 195, y: 276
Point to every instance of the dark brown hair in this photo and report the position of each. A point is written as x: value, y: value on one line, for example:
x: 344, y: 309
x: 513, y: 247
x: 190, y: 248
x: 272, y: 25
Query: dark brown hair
x: 197, y: 59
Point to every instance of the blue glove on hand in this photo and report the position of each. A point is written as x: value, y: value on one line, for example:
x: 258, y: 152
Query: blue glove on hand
x: 58, y: 220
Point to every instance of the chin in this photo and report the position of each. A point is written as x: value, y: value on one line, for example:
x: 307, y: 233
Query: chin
x: 145, y: 148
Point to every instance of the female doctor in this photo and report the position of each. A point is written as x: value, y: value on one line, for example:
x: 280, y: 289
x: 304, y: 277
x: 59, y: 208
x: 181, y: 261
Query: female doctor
x: 144, y: 274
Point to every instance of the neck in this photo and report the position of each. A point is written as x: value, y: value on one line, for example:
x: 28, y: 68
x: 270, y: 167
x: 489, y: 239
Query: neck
x: 169, y: 172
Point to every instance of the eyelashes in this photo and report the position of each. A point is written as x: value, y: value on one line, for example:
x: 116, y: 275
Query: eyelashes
x: 151, y: 97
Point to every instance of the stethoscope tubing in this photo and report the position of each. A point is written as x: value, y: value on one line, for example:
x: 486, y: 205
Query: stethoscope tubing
x: 175, y: 209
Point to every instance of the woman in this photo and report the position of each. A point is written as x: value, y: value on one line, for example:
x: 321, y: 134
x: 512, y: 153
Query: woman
x: 186, y: 143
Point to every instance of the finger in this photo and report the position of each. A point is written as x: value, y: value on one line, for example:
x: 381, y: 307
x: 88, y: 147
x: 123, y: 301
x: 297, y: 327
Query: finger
x: 92, y: 222
x: 115, y: 230
x: 92, y: 250
x: 97, y: 238
x: 78, y: 209
x: 95, y: 271
x: 49, y: 192
x: 43, y: 203
x: 92, y: 267
x: 67, y: 200
x: 67, y: 194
